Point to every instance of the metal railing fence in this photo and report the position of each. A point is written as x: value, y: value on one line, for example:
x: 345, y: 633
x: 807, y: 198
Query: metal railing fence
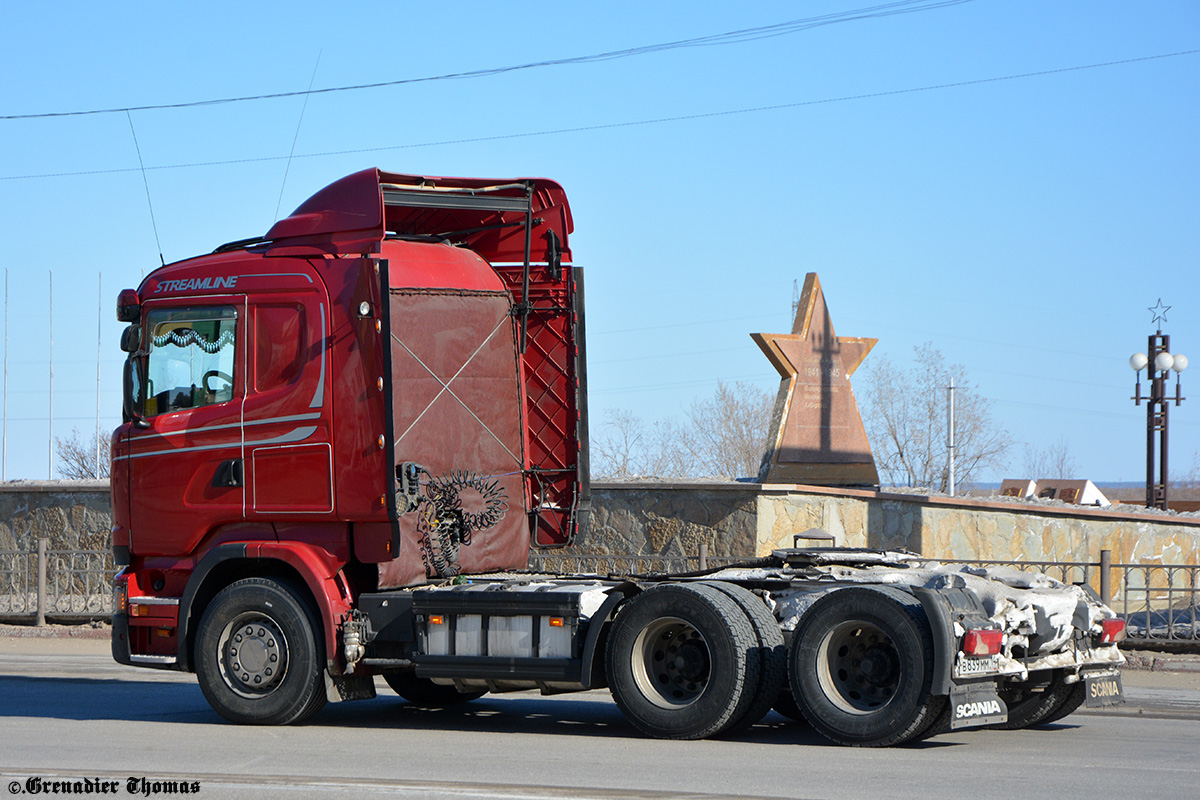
x: 1160, y: 602
x: 44, y: 583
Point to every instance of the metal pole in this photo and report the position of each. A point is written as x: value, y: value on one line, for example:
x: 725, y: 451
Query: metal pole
x: 99, y: 330
x: 1152, y: 371
x: 1165, y: 404
x: 41, y: 583
x: 50, y: 444
x: 951, y: 442
x: 1105, y: 569
x: 4, y: 458
x: 703, y: 556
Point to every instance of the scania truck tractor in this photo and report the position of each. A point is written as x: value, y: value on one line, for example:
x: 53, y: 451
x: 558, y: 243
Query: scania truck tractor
x: 342, y: 439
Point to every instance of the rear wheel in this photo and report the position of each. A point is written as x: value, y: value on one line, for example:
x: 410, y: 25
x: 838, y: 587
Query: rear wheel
x: 861, y: 667
x: 1072, y: 701
x: 259, y: 656
x: 679, y: 661
x: 770, y: 653
x: 426, y: 693
x: 1030, y: 705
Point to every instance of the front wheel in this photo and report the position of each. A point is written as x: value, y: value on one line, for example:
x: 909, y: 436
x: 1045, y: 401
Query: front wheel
x: 259, y: 656
x: 861, y: 667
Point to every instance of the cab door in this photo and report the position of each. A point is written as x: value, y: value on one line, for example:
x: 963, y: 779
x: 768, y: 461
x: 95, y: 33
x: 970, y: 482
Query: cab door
x: 287, y: 419
x: 185, y: 455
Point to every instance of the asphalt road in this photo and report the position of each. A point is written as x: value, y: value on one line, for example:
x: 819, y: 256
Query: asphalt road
x: 68, y: 713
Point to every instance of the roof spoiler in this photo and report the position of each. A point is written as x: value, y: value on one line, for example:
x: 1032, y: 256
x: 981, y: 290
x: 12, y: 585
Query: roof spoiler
x: 504, y: 221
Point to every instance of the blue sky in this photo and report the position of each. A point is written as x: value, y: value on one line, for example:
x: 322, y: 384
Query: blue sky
x: 1023, y: 226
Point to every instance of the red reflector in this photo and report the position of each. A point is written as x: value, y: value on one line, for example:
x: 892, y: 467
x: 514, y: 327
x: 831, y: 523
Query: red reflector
x: 1112, y: 631
x: 985, y: 642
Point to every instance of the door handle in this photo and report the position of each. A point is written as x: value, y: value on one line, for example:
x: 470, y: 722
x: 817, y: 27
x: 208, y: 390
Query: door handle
x: 229, y: 473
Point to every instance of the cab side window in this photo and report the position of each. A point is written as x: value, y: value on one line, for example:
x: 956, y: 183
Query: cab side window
x: 190, y: 358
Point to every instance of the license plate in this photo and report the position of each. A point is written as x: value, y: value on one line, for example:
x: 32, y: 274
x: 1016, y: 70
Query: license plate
x: 977, y: 665
x: 1103, y: 689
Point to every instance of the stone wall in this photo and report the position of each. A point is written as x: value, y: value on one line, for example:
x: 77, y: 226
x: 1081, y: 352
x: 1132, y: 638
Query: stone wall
x: 984, y: 529
x: 73, y: 515
x: 738, y: 520
x: 741, y: 519
x: 671, y: 520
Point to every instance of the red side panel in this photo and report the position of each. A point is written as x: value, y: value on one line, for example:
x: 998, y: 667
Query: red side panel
x: 555, y: 401
x: 457, y: 411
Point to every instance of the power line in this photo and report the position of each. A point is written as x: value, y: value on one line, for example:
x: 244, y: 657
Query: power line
x: 712, y: 40
x: 629, y: 124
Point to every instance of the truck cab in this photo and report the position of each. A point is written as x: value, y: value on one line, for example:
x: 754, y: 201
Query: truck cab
x: 287, y: 398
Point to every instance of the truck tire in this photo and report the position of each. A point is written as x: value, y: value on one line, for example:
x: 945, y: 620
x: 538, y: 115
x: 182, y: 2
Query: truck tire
x: 861, y: 667
x: 679, y: 661
x: 259, y: 656
x: 1067, y: 706
x: 425, y: 693
x: 1027, y: 708
x: 770, y: 652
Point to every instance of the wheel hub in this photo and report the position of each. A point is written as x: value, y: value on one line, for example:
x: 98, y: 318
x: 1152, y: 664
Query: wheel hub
x: 859, y: 667
x: 253, y: 654
x: 878, y: 666
x: 671, y: 663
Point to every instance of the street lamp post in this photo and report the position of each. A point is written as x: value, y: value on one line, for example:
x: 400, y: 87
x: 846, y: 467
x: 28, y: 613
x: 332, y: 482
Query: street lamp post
x: 1158, y: 363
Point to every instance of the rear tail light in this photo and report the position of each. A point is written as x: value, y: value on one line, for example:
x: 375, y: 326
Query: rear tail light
x: 983, y: 642
x: 1112, y: 631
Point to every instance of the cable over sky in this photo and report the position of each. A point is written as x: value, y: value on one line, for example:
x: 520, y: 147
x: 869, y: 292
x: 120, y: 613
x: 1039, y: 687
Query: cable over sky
x: 624, y: 124
x: 714, y: 40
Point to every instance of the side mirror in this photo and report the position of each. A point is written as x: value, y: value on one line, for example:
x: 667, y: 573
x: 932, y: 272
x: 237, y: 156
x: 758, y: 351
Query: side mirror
x: 131, y: 339
x: 131, y: 394
x: 128, y: 307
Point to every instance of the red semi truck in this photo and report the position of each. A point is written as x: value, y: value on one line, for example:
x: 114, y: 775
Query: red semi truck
x: 342, y: 439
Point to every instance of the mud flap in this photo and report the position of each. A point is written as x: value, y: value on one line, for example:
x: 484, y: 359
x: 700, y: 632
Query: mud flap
x: 1102, y: 689
x: 349, y: 687
x: 976, y: 704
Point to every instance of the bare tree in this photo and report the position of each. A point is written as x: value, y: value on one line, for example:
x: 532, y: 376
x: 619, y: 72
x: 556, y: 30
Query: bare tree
x: 1191, y: 479
x: 727, y: 433
x: 625, y: 448
x: 614, y: 449
x: 1054, y: 461
x: 77, y: 459
x: 723, y: 436
x: 905, y: 414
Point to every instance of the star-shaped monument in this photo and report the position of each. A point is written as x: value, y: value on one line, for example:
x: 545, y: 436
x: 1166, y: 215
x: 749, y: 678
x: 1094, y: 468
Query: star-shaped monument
x: 817, y: 435
x: 1160, y: 312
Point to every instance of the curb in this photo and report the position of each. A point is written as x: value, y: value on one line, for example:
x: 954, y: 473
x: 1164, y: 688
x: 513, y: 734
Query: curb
x: 1159, y: 662
x: 101, y: 630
